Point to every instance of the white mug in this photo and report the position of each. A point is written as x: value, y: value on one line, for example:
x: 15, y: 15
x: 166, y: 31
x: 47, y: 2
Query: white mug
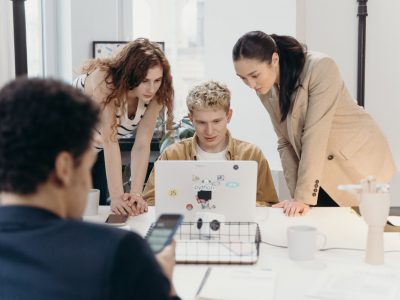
x: 92, y: 203
x: 302, y: 242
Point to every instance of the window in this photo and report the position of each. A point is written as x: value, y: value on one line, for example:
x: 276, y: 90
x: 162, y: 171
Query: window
x: 180, y: 25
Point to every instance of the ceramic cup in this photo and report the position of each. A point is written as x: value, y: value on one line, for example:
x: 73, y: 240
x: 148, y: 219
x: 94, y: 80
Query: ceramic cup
x: 302, y: 242
x: 92, y: 203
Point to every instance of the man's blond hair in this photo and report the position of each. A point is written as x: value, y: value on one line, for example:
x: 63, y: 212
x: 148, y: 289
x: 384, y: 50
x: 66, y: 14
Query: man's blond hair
x: 209, y: 95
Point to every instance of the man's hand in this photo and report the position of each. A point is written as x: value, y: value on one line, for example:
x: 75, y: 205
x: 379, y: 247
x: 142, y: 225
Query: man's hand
x: 293, y: 208
x: 166, y: 259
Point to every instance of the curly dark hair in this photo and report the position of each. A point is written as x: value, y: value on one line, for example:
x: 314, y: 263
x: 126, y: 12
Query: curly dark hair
x: 38, y: 120
x: 128, y: 68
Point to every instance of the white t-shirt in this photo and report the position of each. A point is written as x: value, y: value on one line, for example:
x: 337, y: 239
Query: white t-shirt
x: 203, y: 155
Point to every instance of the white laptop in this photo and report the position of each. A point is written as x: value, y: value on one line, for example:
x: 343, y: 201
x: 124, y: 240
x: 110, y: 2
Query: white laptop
x: 191, y: 186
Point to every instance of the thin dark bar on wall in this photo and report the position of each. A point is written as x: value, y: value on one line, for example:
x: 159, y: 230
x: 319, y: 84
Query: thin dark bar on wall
x: 362, y: 27
x: 21, y: 60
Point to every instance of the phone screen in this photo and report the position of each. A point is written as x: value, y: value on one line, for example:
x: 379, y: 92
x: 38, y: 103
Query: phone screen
x: 116, y: 219
x: 163, y: 231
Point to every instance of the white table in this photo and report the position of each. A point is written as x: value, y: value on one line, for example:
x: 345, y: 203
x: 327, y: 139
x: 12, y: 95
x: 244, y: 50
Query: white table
x: 342, y: 226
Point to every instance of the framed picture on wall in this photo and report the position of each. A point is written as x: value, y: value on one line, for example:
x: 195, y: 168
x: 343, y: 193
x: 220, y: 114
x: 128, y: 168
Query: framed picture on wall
x: 102, y: 49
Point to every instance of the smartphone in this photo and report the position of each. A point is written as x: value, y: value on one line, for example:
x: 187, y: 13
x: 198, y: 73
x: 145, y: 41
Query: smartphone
x: 162, y: 232
x: 116, y: 220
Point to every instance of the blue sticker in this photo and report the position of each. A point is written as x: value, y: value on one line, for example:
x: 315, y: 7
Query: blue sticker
x: 232, y: 184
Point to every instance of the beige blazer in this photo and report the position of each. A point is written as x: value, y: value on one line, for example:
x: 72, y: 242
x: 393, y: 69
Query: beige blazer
x: 327, y: 139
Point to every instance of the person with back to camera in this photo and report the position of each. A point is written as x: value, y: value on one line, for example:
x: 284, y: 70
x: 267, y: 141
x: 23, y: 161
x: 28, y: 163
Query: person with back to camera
x: 46, y: 251
x: 324, y: 138
x: 132, y: 87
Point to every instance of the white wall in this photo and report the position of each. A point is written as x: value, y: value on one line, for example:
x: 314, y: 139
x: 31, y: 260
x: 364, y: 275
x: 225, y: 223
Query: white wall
x: 382, y: 93
x: 71, y: 27
x: 57, y: 45
x: 91, y: 20
x: 331, y: 27
x: 225, y: 22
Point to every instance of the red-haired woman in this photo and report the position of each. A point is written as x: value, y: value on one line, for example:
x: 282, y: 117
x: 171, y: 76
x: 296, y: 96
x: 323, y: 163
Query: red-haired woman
x: 131, y: 87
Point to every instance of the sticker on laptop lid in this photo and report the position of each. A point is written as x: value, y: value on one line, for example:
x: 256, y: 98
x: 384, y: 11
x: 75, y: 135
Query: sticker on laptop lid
x: 220, y: 177
x: 232, y: 184
x: 172, y: 193
x: 203, y: 193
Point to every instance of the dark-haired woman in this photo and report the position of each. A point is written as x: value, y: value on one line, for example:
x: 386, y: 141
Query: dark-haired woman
x: 324, y: 137
x: 131, y: 87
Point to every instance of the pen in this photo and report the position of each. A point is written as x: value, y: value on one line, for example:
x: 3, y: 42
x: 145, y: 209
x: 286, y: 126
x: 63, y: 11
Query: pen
x: 203, y: 281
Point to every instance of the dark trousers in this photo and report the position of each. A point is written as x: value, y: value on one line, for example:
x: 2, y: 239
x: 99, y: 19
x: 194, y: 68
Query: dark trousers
x: 324, y: 200
x: 99, y: 178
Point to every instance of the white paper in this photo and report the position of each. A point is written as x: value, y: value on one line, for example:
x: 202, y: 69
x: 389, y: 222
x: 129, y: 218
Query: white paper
x: 357, y: 284
x: 238, y: 284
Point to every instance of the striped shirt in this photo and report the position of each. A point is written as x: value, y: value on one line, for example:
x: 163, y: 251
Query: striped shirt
x: 126, y: 125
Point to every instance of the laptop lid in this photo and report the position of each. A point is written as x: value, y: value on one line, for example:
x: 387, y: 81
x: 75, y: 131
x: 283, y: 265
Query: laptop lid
x: 191, y: 186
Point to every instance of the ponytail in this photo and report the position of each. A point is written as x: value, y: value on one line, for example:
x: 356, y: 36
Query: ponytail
x: 261, y: 46
x: 291, y: 63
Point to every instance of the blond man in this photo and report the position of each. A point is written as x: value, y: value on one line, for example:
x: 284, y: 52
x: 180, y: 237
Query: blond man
x: 210, y: 113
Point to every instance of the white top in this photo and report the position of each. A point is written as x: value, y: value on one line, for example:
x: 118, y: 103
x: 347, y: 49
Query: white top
x: 126, y: 125
x: 203, y: 155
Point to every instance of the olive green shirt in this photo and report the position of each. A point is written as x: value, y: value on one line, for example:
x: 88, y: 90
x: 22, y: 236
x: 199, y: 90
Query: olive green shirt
x: 237, y: 150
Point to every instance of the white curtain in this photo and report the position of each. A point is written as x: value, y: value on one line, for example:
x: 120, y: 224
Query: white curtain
x: 7, y: 65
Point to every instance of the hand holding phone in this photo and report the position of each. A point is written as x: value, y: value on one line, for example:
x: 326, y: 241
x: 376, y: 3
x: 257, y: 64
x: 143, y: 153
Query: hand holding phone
x: 166, y: 259
x: 162, y: 232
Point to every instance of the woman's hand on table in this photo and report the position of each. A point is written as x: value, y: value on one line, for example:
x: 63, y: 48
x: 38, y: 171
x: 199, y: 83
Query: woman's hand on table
x: 137, y: 203
x: 293, y: 208
x: 121, y: 205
